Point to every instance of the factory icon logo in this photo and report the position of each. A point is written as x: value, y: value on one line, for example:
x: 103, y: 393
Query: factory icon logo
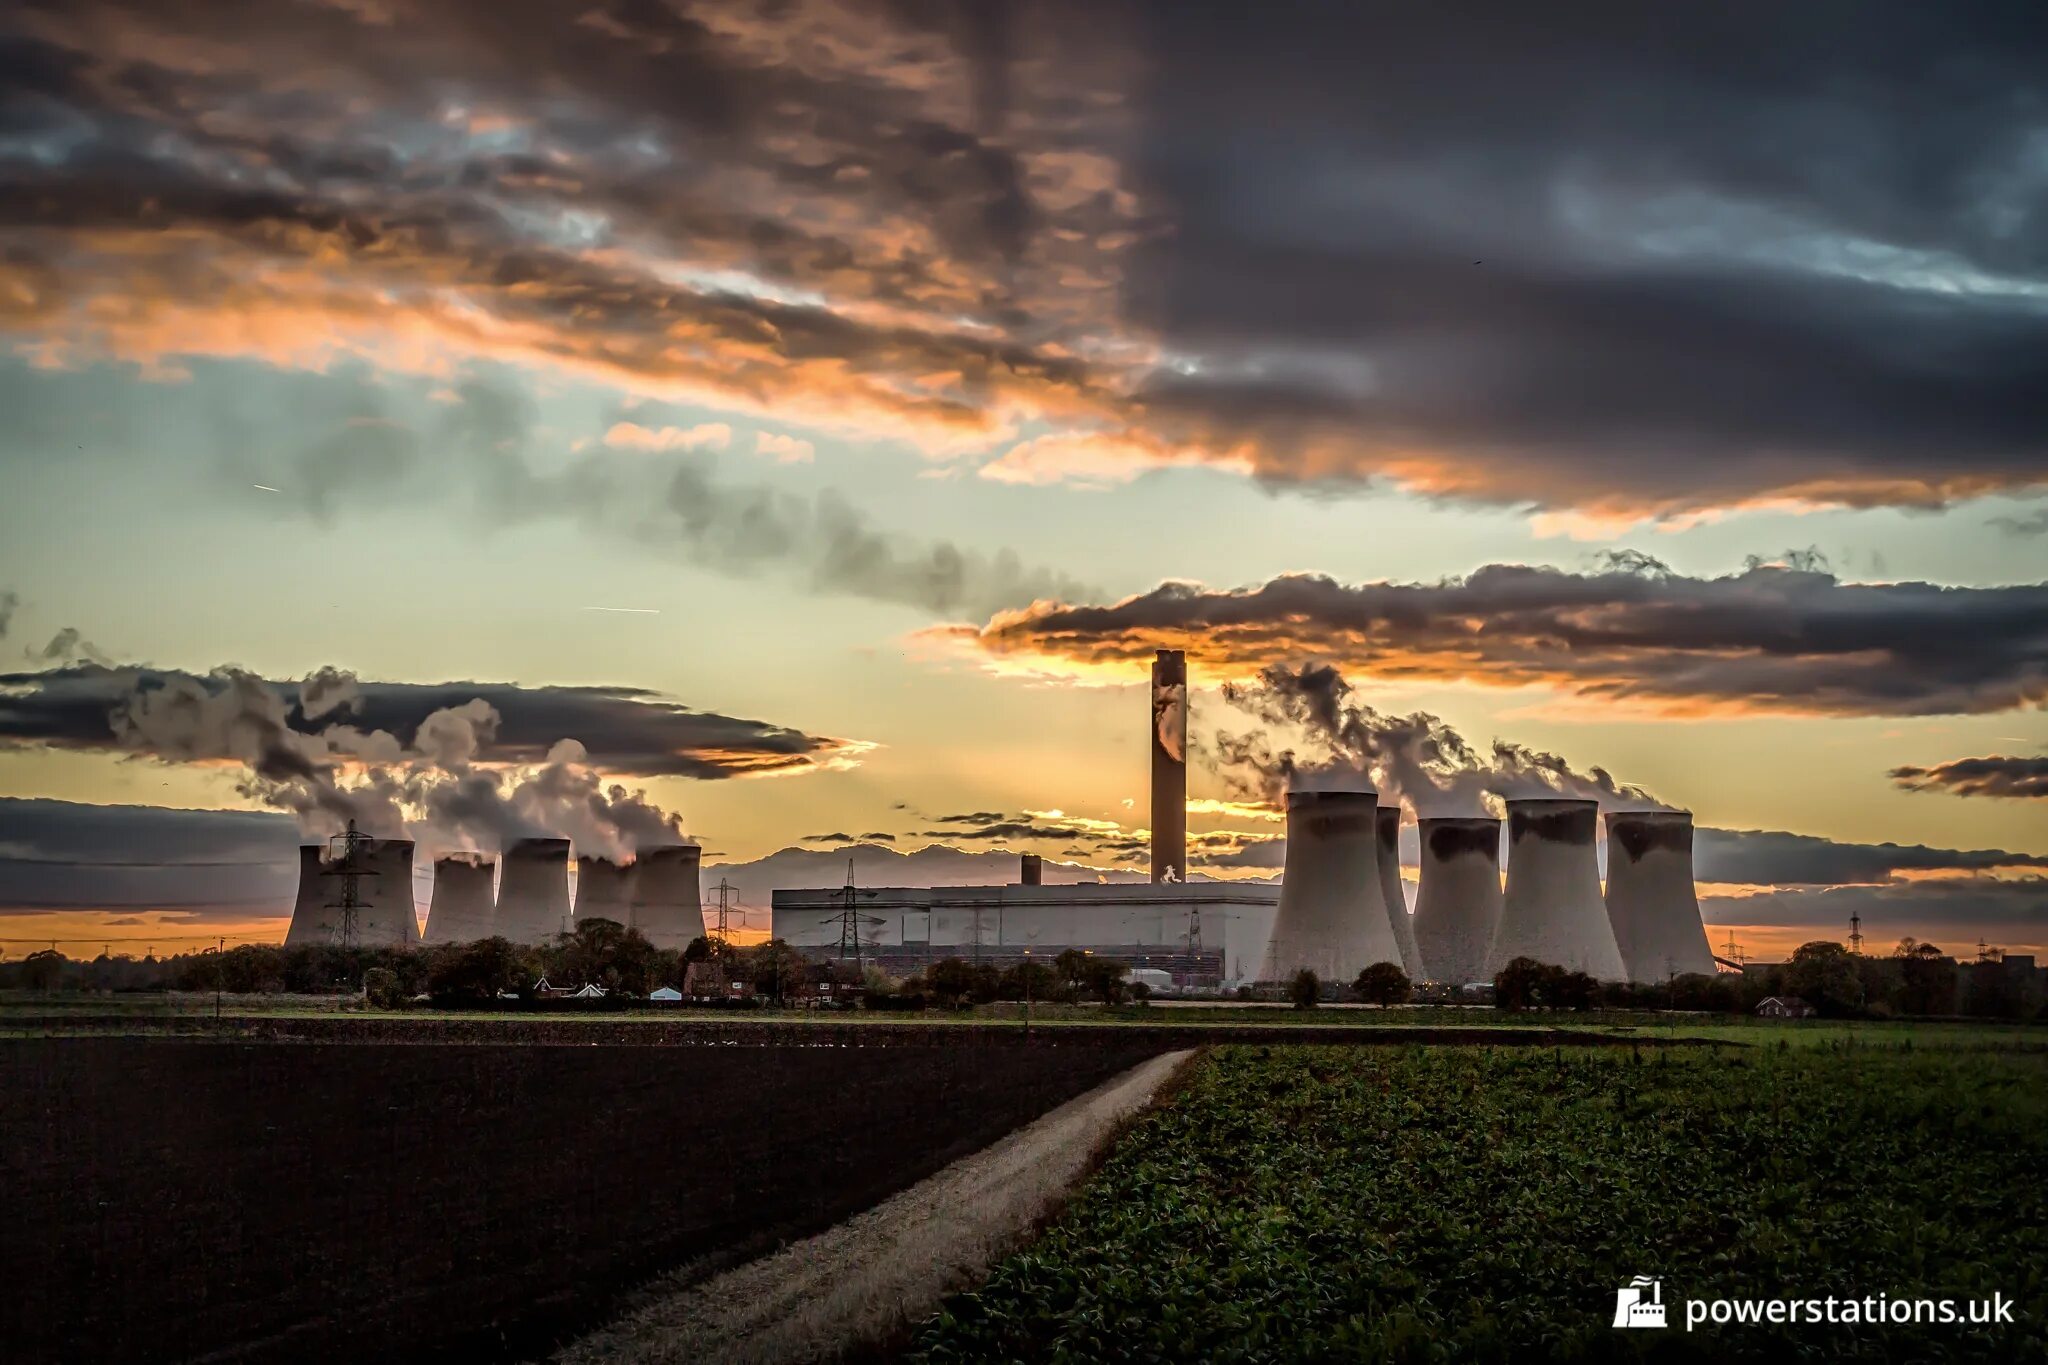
x: 1640, y: 1303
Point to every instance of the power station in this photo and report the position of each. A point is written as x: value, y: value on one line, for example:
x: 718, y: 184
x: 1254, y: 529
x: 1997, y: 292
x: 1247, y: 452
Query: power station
x: 1338, y: 908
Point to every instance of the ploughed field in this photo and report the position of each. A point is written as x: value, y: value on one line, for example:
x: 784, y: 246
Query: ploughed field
x: 1466, y: 1204
x: 168, y: 1200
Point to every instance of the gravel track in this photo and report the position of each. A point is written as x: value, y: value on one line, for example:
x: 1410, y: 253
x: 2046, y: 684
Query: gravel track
x: 860, y: 1282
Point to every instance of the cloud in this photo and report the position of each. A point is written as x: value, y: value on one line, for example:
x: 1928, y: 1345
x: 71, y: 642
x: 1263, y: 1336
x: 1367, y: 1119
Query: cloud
x: 60, y: 855
x: 1619, y: 275
x: 1776, y: 858
x: 784, y: 449
x: 625, y: 730
x: 1991, y: 775
x: 2033, y: 524
x: 1951, y: 913
x: 633, y: 436
x: 1786, y: 637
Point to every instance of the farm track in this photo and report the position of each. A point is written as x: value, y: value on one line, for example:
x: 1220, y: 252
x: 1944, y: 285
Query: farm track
x: 866, y: 1280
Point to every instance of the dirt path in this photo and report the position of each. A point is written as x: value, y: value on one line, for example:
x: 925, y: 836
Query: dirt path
x: 862, y: 1280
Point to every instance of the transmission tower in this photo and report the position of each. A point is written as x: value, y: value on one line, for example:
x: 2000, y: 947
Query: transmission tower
x: 850, y: 919
x: 344, y: 860
x: 720, y: 940
x: 1194, y: 942
x: 1856, y: 934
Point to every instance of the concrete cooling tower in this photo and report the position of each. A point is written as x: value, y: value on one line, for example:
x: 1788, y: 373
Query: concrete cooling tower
x: 1650, y: 900
x: 668, y: 903
x: 533, y: 891
x: 388, y: 916
x: 1553, y: 911
x: 460, y: 911
x: 1387, y: 830
x: 311, y: 920
x: 1332, y: 917
x: 1458, y: 902
x: 604, y: 889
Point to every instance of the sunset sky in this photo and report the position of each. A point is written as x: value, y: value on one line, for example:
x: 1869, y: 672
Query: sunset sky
x: 818, y: 412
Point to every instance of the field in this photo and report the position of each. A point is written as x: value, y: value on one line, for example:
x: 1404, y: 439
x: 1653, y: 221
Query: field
x: 1451, y: 1204
x: 292, y: 1202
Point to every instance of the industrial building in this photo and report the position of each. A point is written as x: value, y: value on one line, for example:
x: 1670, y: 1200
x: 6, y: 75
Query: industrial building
x: 1389, y: 858
x: 533, y: 891
x: 1200, y: 933
x: 461, y: 907
x: 383, y: 915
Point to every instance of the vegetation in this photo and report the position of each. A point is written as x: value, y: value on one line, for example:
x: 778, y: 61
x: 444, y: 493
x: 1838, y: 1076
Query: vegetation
x: 1383, y: 984
x: 1452, y: 1204
x: 1305, y: 991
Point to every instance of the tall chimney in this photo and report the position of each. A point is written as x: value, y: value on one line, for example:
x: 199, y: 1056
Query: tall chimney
x: 1387, y: 828
x: 1650, y: 898
x: 668, y: 899
x: 459, y: 910
x: 1553, y: 911
x: 1332, y: 917
x: 533, y: 892
x: 1169, y: 743
x: 312, y: 921
x: 604, y: 889
x: 1457, y: 903
x: 1033, y: 872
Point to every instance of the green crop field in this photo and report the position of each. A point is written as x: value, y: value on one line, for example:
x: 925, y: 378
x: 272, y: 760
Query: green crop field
x: 1452, y: 1204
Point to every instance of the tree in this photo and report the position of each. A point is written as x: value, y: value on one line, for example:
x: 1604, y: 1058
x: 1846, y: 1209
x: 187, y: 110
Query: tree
x: 475, y: 973
x: 1103, y: 978
x: 1823, y: 974
x: 1929, y: 981
x: 779, y: 971
x: 1029, y: 981
x: 43, y: 970
x: 698, y: 951
x: 382, y: 989
x: 950, y: 981
x: 1305, y: 990
x: 1383, y: 984
x: 1520, y: 984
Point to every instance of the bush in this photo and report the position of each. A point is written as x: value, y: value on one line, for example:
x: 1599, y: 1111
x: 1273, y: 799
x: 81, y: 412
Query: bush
x: 1383, y: 984
x: 1305, y: 990
x: 381, y: 988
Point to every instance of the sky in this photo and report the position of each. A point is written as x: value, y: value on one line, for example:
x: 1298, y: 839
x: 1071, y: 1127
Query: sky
x: 795, y: 425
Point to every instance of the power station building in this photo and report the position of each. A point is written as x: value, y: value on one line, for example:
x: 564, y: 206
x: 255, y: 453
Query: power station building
x: 1201, y: 933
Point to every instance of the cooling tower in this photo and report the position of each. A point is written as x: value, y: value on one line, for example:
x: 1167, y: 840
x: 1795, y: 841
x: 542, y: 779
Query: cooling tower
x: 604, y: 889
x: 1169, y: 743
x: 460, y: 911
x: 533, y: 891
x: 312, y: 921
x: 1388, y: 855
x: 1553, y: 911
x: 1650, y: 899
x: 668, y: 905
x: 1332, y: 917
x: 1458, y: 903
x: 387, y: 915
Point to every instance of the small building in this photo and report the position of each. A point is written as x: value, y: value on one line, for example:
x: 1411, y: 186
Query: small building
x: 1784, y: 1007
x: 591, y: 992
x: 665, y: 994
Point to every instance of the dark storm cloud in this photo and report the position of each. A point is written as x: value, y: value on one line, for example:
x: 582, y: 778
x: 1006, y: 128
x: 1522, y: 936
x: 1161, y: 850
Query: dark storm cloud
x: 1950, y: 913
x: 65, y: 855
x: 1614, y: 260
x: 2025, y: 778
x: 1775, y: 637
x: 1775, y: 858
x: 624, y: 730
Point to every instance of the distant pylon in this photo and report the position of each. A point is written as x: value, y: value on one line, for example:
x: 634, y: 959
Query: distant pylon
x: 1856, y: 934
x: 347, y: 865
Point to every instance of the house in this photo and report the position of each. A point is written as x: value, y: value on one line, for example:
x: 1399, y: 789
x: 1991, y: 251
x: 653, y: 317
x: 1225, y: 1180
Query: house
x: 665, y: 993
x: 590, y: 992
x: 546, y: 990
x: 1784, y: 1007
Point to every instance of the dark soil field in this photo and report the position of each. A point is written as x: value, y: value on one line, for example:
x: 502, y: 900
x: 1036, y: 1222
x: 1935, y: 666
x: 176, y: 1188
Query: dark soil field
x: 173, y: 1200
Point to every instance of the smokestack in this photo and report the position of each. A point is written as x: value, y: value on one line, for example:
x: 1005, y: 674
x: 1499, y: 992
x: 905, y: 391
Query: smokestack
x: 1033, y: 873
x: 668, y: 902
x: 460, y: 910
x: 1650, y: 899
x: 1387, y: 827
x: 1553, y: 911
x: 1332, y: 917
x: 604, y: 889
x: 533, y: 892
x: 1458, y: 903
x: 312, y: 921
x: 1169, y: 743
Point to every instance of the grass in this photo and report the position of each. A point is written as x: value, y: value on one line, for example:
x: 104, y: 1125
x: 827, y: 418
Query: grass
x: 1440, y: 1204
